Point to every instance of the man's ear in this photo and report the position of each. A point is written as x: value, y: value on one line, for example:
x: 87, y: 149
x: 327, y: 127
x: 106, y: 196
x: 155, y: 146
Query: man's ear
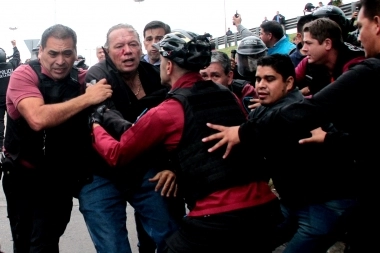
x: 169, y: 67
x: 230, y: 77
x: 328, y: 44
x: 376, y: 20
x: 289, y: 83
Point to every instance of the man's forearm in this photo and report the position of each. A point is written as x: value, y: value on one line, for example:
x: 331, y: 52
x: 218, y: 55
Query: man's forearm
x: 244, y: 31
x: 51, y: 115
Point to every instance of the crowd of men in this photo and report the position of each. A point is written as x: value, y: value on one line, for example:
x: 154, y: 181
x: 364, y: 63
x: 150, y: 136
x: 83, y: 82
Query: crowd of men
x: 168, y: 132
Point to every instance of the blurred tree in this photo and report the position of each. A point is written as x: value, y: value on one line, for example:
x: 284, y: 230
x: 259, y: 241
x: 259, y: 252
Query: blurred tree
x: 337, y: 2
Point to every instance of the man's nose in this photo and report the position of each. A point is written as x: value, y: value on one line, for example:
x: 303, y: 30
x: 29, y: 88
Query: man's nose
x: 59, y: 59
x: 127, y: 49
x: 260, y: 84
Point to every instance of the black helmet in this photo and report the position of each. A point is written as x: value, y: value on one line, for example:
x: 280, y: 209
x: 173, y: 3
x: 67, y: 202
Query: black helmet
x: 3, y: 56
x: 187, y: 49
x: 251, y: 45
x: 250, y: 49
x: 334, y: 13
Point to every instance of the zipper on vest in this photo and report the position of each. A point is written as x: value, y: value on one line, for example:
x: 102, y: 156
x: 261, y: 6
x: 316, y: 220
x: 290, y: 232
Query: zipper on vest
x: 44, y: 142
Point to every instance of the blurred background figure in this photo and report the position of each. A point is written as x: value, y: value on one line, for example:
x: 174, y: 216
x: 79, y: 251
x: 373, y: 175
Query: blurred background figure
x: 309, y: 7
x: 6, y: 69
x: 100, y: 53
x: 80, y: 62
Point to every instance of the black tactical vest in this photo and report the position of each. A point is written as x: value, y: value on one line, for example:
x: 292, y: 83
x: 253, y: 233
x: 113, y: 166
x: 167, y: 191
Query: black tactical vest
x: 60, y: 145
x: 201, y: 172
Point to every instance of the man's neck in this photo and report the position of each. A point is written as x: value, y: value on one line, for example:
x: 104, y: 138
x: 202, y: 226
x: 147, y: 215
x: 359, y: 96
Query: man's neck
x: 331, y: 60
x: 153, y: 62
x: 129, y: 76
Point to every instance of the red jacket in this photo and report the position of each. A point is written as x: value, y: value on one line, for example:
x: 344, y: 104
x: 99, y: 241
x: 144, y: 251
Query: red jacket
x: 164, y: 125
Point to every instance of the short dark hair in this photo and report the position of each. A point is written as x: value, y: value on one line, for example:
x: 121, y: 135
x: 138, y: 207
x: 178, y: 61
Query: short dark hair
x: 325, y: 28
x: 302, y: 21
x: 371, y: 8
x: 59, y: 32
x: 157, y: 24
x: 281, y: 63
x: 274, y: 28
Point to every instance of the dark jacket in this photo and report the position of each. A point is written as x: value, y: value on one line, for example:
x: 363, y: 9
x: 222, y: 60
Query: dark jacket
x: 296, y: 55
x: 348, y: 55
x: 15, y: 59
x: 281, y: 17
x: 339, y: 103
x: 202, y: 173
x: 81, y: 64
x: 6, y: 70
x: 130, y: 107
x: 44, y: 149
x: 303, y: 174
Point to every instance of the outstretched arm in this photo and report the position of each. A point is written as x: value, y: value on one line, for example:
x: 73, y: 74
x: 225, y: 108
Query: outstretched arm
x: 226, y: 135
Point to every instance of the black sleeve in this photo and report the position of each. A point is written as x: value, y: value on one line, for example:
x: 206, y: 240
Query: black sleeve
x: 97, y: 73
x: 115, y: 124
x: 15, y: 61
x: 331, y: 103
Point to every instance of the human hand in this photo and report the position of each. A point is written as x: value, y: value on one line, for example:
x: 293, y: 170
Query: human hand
x: 236, y: 20
x: 233, y: 63
x: 305, y: 91
x: 166, y: 180
x: 354, y: 15
x: 317, y: 136
x: 255, y: 102
x: 226, y: 135
x: 98, y: 92
x: 13, y: 43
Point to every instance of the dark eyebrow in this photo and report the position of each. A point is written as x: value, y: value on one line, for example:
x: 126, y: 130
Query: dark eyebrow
x: 64, y: 51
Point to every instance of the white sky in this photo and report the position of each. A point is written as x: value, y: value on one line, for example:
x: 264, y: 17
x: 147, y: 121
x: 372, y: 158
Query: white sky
x: 92, y: 19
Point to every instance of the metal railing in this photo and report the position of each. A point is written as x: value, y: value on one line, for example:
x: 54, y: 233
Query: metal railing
x: 225, y: 40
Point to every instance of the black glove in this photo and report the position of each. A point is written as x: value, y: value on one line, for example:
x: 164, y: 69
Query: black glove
x: 97, y: 115
x: 115, y: 124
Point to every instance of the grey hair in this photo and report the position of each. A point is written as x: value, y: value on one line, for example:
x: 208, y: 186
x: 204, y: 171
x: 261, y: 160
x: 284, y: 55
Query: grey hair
x: 223, y: 59
x: 121, y: 26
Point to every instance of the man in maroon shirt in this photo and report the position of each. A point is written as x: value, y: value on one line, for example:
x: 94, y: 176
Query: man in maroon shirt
x: 225, y: 200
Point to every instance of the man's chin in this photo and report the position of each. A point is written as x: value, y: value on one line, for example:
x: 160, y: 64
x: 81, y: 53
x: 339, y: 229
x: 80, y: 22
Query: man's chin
x: 154, y: 57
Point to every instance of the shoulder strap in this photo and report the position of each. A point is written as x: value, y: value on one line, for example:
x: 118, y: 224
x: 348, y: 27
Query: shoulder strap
x: 36, y: 66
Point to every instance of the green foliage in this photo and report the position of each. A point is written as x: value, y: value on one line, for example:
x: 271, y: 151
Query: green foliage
x: 227, y: 50
x: 337, y: 2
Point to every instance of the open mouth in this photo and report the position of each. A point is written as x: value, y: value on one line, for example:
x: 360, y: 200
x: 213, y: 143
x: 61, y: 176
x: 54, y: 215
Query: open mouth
x: 128, y: 61
x: 59, y: 71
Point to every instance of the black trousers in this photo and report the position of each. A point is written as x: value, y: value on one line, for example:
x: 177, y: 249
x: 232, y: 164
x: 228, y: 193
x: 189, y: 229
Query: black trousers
x: 39, y: 208
x: 2, y: 126
x: 245, y: 230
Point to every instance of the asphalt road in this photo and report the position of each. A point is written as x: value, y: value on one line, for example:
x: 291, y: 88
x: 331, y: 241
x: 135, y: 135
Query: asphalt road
x: 76, y: 238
